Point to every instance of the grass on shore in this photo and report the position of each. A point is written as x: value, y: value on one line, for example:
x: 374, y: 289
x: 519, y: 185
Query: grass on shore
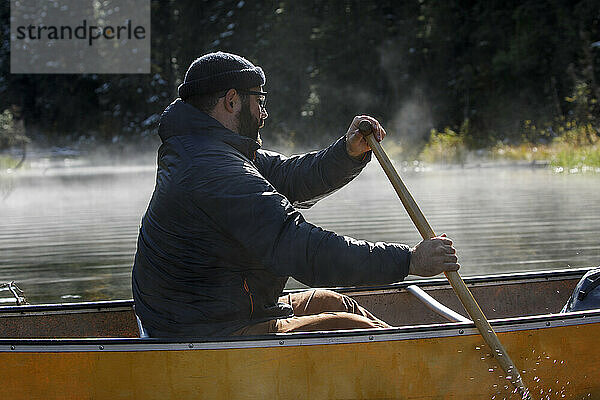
x: 576, y: 149
x: 7, y: 162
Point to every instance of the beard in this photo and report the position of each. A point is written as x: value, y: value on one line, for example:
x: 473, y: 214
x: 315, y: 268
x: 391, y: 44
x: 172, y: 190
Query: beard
x: 248, y: 125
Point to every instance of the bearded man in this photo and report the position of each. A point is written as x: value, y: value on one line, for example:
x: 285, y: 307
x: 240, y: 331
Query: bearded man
x: 222, y: 233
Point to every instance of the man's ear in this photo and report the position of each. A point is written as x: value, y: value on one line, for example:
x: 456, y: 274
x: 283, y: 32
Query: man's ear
x: 230, y: 98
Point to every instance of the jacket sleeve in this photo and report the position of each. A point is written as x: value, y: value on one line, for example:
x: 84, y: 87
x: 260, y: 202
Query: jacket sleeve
x: 305, y: 179
x: 247, y: 208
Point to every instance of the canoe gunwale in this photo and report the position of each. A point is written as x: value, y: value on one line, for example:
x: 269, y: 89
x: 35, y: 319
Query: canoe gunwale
x: 414, y: 332
x: 95, y: 306
x: 472, y: 281
x: 430, y: 283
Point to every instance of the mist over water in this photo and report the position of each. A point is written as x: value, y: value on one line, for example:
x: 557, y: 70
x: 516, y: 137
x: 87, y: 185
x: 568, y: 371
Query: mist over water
x: 70, y: 234
x: 501, y: 219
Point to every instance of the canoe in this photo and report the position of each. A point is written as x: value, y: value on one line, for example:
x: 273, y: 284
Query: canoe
x: 94, y: 350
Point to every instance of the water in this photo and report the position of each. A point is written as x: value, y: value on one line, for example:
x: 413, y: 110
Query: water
x: 70, y: 234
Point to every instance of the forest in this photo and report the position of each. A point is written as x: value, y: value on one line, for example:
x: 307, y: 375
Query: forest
x: 486, y: 72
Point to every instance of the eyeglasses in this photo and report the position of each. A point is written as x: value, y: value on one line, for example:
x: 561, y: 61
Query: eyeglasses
x: 261, y: 97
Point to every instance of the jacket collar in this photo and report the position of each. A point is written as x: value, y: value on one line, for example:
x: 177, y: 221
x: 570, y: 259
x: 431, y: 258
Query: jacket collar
x: 180, y: 118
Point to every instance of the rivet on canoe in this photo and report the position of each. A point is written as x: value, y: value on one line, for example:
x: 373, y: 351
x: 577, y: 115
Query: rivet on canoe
x: 548, y: 323
x: 281, y: 342
x: 12, y: 347
x: 191, y: 345
x: 461, y: 331
x: 371, y: 337
x: 101, y: 347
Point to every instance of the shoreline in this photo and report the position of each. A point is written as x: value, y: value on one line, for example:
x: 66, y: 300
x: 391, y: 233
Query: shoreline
x: 127, y: 158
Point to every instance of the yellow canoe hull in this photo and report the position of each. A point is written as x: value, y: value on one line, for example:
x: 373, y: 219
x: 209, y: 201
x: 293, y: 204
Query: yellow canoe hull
x: 93, y: 351
x: 559, y: 362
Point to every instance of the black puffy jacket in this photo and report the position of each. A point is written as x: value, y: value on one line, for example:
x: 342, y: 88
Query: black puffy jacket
x: 221, y: 234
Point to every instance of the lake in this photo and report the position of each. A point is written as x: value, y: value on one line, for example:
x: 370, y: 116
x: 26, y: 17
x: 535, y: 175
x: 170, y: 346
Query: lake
x: 68, y: 233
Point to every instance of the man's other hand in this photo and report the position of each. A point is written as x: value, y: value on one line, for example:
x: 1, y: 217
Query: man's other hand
x: 356, y: 144
x: 433, y: 256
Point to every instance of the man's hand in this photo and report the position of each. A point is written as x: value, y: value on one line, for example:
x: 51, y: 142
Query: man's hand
x: 433, y: 256
x: 356, y: 144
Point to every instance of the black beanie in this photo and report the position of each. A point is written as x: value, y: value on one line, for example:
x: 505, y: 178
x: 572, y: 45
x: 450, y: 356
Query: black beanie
x: 219, y: 71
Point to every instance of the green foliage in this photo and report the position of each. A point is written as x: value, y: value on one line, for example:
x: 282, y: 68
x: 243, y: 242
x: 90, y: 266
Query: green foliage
x: 522, y: 152
x: 7, y: 162
x: 585, y: 106
x: 577, y: 149
x: 447, y: 147
x: 494, y: 64
x: 577, y: 160
x: 11, y: 132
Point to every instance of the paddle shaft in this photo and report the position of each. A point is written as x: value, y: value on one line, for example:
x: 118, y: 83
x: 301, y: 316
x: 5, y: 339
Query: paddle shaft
x: 461, y: 290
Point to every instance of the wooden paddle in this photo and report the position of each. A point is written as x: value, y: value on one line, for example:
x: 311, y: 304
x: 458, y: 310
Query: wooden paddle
x: 461, y: 290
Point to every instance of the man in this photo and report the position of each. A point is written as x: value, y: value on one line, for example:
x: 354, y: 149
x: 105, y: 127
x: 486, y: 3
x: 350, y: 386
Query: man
x: 222, y: 233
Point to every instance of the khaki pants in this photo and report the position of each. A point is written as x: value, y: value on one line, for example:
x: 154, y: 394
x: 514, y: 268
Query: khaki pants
x: 317, y: 310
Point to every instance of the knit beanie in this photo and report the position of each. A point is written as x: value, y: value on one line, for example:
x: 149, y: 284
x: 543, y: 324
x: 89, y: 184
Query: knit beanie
x: 219, y: 71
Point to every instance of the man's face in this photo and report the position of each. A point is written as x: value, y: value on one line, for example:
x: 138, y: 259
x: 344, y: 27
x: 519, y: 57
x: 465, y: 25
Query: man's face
x: 251, y: 116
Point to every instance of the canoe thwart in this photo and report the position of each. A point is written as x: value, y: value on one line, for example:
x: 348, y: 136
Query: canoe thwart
x: 436, y: 306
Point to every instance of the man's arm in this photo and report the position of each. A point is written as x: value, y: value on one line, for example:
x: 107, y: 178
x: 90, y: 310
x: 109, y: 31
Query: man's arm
x: 305, y: 179
x: 247, y: 208
x: 308, y: 178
